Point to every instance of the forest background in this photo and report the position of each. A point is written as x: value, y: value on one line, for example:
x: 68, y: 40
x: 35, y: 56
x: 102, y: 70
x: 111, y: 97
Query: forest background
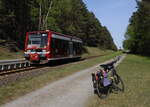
x: 69, y: 17
x: 138, y: 31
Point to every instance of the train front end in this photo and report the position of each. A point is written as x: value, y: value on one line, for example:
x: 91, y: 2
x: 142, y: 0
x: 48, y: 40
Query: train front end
x: 37, y: 49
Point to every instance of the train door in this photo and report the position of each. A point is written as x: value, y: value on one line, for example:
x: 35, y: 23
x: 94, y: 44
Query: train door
x: 71, y: 48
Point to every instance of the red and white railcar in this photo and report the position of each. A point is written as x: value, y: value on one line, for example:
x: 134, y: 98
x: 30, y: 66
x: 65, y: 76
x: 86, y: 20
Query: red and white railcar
x: 48, y: 45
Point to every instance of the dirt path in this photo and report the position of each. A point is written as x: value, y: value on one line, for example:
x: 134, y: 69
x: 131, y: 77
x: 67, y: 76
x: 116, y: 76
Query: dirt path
x: 72, y: 91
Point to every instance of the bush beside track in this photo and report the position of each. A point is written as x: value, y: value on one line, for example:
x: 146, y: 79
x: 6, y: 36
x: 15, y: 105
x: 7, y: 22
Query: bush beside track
x: 14, y: 90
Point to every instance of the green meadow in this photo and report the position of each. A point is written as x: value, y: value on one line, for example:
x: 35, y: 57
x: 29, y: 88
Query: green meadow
x: 135, y: 72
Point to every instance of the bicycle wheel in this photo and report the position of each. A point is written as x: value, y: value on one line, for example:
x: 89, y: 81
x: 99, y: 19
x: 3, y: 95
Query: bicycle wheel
x: 118, y: 84
x: 102, y: 91
x: 94, y: 83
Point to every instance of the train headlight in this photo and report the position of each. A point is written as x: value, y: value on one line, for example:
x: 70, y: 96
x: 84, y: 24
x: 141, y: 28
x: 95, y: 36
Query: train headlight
x: 43, y: 50
x: 28, y: 51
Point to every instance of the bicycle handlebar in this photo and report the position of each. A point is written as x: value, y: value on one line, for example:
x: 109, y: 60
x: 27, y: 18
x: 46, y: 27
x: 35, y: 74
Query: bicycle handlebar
x: 108, y: 66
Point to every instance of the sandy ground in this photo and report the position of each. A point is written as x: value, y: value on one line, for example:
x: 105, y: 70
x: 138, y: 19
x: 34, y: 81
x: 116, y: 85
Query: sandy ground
x: 72, y: 91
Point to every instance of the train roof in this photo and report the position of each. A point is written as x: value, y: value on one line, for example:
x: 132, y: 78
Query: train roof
x: 74, y: 38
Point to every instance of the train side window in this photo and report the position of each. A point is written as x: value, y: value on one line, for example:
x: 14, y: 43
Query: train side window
x: 64, y: 44
x: 60, y: 43
x: 53, y: 43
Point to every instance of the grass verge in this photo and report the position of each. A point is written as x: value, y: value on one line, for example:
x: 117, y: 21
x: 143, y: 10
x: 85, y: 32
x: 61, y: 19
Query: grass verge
x: 135, y: 71
x: 6, y: 54
x: 14, y: 90
x: 93, y: 51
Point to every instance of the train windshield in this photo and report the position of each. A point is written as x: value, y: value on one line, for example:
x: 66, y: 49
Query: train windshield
x: 38, y: 40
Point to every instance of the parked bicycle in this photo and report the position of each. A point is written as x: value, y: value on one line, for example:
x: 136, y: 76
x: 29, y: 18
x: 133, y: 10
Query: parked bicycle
x: 106, y: 80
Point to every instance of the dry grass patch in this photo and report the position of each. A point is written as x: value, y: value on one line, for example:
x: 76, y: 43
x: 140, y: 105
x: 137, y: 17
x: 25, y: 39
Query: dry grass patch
x: 5, y: 54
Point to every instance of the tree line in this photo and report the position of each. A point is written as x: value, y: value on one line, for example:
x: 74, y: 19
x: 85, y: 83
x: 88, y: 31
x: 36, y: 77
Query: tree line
x: 69, y: 17
x: 138, y: 31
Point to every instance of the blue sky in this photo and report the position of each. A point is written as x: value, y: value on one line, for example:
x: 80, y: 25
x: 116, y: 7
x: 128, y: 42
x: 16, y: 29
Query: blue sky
x: 114, y: 14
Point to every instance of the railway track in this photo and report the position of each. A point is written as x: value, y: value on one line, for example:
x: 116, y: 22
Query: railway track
x: 20, y: 65
x: 10, y: 76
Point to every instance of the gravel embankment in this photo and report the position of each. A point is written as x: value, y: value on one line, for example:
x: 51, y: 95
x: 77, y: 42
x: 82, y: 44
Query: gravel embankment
x: 72, y: 91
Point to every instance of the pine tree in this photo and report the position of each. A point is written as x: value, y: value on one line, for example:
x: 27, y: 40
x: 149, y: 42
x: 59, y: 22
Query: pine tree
x: 138, y: 32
